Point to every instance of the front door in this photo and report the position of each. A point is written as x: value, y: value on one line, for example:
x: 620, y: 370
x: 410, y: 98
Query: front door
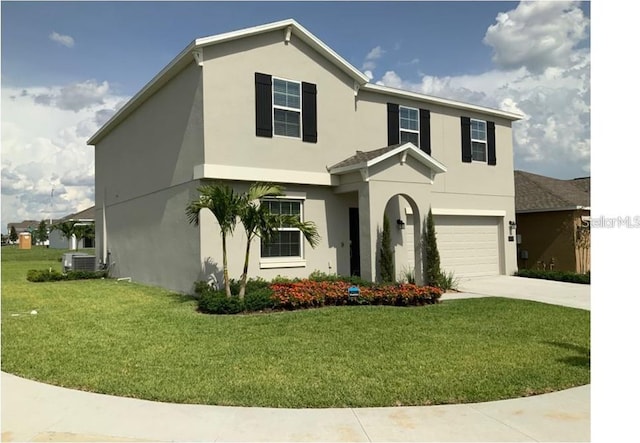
x: 354, y: 241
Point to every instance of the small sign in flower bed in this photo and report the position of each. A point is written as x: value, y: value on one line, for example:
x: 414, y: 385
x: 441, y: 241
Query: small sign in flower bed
x: 305, y: 294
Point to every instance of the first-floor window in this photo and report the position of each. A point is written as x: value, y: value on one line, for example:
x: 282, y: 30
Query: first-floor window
x: 287, y: 242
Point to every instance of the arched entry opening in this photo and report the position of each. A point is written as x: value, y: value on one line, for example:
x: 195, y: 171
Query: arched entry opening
x: 404, y: 220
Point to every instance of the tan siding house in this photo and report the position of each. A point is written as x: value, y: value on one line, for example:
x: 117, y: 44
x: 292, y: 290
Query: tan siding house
x: 552, y: 218
x: 274, y: 103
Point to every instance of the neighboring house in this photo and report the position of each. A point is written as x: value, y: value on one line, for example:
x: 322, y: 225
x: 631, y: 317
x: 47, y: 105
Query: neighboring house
x: 24, y: 226
x: 57, y: 241
x: 552, y: 219
x: 30, y: 226
x: 273, y: 103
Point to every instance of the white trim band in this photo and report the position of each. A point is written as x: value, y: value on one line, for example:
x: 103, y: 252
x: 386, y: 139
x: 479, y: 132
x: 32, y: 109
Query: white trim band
x: 470, y: 212
x: 243, y: 173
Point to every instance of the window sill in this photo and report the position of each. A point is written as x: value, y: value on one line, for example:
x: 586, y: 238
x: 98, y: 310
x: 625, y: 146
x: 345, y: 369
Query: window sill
x: 283, y: 263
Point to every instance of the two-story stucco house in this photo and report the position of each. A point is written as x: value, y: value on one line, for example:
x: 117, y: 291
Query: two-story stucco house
x: 273, y: 103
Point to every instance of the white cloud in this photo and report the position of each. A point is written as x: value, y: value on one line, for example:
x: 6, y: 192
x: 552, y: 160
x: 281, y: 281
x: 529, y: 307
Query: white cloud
x: 73, y: 97
x: 550, y: 87
x: 65, y: 40
x: 538, y: 35
x: 369, y: 61
x: 44, y: 135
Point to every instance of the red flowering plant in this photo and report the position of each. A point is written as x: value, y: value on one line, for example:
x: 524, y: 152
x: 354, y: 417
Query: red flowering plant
x: 308, y: 293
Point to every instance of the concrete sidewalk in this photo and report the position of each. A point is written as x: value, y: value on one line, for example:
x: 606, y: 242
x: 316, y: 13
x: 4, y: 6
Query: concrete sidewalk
x: 36, y: 412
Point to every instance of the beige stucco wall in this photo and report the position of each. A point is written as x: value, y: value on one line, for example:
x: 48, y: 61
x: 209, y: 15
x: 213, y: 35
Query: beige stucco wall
x: 206, y: 116
x: 144, y: 171
x: 330, y: 213
x: 229, y: 104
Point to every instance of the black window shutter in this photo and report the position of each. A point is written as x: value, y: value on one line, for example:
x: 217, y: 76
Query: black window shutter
x: 264, y: 116
x: 491, y: 143
x: 309, y: 113
x: 425, y: 131
x: 393, y: 124
x: 465, y: 131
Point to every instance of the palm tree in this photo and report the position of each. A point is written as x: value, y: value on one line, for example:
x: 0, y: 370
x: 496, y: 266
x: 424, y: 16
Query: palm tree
x: 225, y: 205
x: 85, y: 231
x: 67, y: 229
x: 256, y: 220
x: 259, y: 222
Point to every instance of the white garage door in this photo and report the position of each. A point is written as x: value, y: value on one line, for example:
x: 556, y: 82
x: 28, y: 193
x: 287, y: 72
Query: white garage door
x: 468, y: 245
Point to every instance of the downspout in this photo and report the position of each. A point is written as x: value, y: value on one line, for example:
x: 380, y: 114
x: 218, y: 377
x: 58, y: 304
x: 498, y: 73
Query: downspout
x: 104, y: 227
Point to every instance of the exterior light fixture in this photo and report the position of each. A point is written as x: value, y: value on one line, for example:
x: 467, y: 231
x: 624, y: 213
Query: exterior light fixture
x: 400, y: 224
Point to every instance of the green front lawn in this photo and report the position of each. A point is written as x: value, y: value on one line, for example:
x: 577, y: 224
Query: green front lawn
x: 132, y: 340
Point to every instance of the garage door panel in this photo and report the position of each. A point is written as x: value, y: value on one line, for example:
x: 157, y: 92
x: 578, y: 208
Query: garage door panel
x: 468, y: 246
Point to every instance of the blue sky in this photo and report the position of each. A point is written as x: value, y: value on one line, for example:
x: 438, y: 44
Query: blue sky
x: 67, y: 66
x: 446, y: 37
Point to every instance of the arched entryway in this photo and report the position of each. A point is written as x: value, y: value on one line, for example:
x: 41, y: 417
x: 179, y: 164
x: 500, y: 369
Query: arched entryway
x: 404, y: 219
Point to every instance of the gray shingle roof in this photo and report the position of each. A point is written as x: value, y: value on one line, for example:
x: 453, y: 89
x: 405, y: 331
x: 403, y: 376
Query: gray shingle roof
x: 86, y: 214
x: 537, y: 192
x: 364, y: 156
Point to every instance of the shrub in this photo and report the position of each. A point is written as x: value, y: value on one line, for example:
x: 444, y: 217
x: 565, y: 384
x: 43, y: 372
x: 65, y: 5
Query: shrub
x: 387, y: 271
x: 447, y: 281
x: 200, y: 287
x: 85, y: 275
x: 44, y: 275
x: 259, y: 299
x: 407, y: 276
x: 47, y: 275
x: 322, y: 276
x: 430, y: 255
x: 565, y: 276
x: 217, y: 302
x: 253, y: 284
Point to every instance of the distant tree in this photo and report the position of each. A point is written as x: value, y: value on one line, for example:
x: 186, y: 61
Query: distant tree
x: 387, y: 271
x: 13, y: 235
x: 430, y: 256
x: 86, y: 231
x: 66, y: 229
x: 41, y: 234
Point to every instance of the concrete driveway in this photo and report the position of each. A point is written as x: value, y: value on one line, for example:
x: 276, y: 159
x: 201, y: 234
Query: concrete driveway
x: 572, y: 295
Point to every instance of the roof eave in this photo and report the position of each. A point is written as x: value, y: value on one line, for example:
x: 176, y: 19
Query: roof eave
x: 300, y: 31
x: 423, y: 158
x: 558, y: 209
x: 441, y: 101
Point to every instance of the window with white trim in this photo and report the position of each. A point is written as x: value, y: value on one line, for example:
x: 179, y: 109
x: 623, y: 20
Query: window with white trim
x: 287, y: 108
x: 288, y: 240
x: 479, y: 140
x: 409, y: 125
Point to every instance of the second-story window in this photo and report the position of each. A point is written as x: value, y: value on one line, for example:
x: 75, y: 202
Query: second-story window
x: 286, y: 108
x: 409, y: 126
x: 406, y: 124
x: 479, y: 140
